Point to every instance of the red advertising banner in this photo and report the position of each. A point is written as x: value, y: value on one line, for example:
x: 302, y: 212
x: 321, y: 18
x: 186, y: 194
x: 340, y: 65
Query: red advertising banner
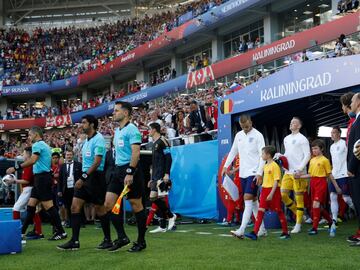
x: 22, y: 123
x: 56, y: 121
x: 139, y: 52
x: 303, y: 40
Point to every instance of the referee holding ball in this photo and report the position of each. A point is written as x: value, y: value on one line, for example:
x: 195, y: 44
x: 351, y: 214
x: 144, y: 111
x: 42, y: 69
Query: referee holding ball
x: 42, y: 191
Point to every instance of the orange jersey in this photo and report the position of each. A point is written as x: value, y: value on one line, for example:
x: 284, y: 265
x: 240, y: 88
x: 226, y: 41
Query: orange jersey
x: 272, y: 173
x: 319, y: 167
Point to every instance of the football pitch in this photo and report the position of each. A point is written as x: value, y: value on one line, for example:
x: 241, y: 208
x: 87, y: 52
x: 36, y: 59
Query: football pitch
x: 196, y: 246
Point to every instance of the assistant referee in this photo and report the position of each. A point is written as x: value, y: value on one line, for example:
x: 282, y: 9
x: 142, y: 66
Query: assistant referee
x: 127, y: 140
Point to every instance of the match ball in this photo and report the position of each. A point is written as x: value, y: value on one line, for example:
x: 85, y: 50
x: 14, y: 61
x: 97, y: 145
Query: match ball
x: 6, y: 180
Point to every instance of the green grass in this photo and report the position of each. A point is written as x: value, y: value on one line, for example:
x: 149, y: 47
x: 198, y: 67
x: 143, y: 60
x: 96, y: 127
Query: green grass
x: 188, y: 250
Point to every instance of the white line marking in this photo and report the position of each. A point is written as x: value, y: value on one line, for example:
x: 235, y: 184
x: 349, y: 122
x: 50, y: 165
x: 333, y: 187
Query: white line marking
x: 225, y: 235
x: 277, y: 232
x: 204, y: 233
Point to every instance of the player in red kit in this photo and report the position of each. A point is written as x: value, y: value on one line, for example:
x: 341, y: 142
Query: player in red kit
x: 234, y: 207
x: 26, y: 181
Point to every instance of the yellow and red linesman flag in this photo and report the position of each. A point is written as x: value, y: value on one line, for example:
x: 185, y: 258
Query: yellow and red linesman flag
x: 226, y: 106
x: 117, y: 206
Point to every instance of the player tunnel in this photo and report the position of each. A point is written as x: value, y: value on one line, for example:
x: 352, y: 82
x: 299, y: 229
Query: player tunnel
x: 308, y: 90
x: 323, y: 110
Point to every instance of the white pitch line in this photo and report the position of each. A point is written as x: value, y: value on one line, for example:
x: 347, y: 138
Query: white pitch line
x: 225, y: 235
x: 204, y: 233
x: 277, y: 232
x: 181, y: 231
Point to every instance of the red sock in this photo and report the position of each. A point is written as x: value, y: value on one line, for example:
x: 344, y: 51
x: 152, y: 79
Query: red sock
x: 326, y: 215
x: 316, y: 217
x: 342, y: 206
x: 230, y: 211
x: 151, y: 215
x: 37, y: 223
x: 16, y: 215
x: 283, y: 222
x: 258, y: 221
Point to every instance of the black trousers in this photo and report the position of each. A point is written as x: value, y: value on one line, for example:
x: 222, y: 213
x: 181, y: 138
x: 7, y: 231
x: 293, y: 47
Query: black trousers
x: 355, y: 195
x: 68, y: 196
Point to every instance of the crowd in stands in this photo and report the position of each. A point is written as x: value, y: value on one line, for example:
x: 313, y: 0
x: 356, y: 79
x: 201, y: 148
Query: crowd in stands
x: 343, y: 46
x: 46, y: 55
x: 29, y: 110
x: 180, y: 116
x: 347, y: 5
x: 176, y: 115
x: 198, y: 63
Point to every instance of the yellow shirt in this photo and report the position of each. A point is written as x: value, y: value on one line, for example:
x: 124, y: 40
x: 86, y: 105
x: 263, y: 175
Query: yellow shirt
x: 319, y: 167
x: 272, y: 173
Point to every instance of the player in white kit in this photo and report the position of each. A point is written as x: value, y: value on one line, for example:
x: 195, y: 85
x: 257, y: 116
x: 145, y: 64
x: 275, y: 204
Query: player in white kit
x: 297, y: 152
x: 248, y: 144
x: 338, y: 151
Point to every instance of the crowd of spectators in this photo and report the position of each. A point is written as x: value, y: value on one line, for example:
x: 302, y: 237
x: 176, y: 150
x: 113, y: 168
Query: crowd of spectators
x: 181, y: 116
x: 198, y: 63
x: 342, y: 47
x: 34, y: 110
x: 347, y: 5
x: 177, y: 116
x: 46, y: 55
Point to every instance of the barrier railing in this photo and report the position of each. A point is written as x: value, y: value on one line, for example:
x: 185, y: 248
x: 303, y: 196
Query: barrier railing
x: 185, y: 139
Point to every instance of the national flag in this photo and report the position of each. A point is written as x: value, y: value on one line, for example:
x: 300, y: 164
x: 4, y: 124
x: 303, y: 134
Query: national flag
x: 235, y: 87
x: 226, y: 106
x: 230, y: 187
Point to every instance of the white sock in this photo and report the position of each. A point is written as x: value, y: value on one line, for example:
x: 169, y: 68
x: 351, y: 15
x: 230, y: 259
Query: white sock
x: 255, y: 209
x: 246, y: 215
x: 255, y: 212
x: 347, y: 199
x: 334, y: 205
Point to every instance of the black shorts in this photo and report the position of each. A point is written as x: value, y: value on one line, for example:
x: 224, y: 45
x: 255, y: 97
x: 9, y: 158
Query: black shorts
x: 116, y: 184
x: 93, y: 190
x: 42, y: 189
x: 153, y: 185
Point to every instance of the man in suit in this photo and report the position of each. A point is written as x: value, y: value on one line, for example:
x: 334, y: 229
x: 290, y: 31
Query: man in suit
x: 70, y: 171
x: 354, y: 165
x: 198, y: 120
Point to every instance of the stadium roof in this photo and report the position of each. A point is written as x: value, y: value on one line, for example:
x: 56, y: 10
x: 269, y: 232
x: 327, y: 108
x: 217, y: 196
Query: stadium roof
x: 48, y: 11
